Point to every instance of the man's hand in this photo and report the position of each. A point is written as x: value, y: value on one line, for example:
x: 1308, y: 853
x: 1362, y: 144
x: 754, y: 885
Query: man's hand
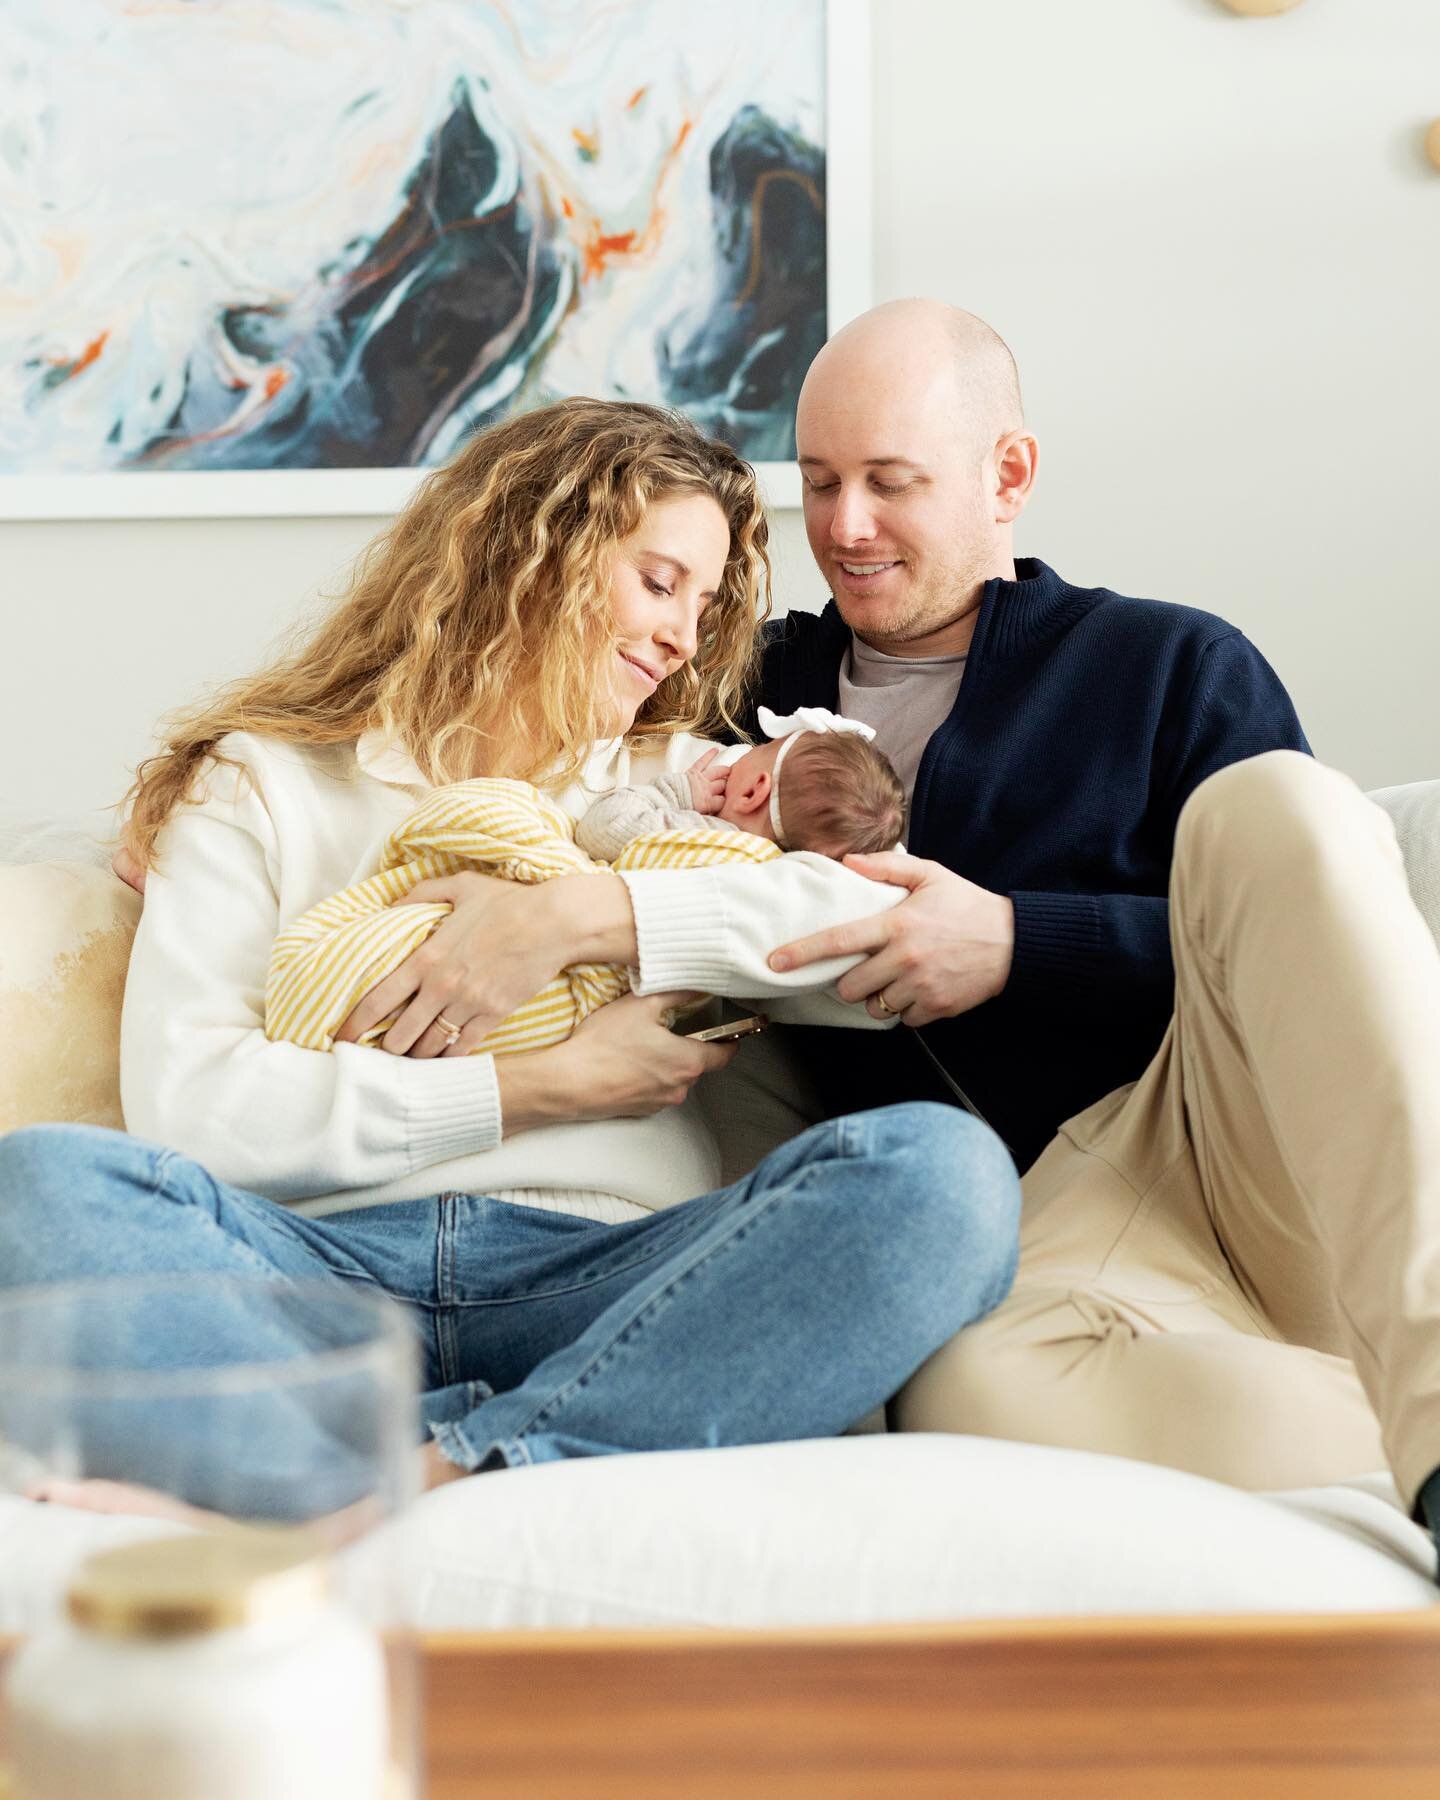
x: 945, y: 949
x: 707, y: 783
x: 500, y: 945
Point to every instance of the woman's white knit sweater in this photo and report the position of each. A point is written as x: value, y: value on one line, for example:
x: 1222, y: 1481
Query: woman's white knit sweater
x: 357, y: 1127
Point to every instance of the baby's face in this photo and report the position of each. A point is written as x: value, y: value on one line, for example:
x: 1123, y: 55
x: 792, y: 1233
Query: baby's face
x: 738, y: 807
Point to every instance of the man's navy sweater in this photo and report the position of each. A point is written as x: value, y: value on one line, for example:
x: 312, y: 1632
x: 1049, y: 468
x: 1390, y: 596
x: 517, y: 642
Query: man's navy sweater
x: 1084, y: 722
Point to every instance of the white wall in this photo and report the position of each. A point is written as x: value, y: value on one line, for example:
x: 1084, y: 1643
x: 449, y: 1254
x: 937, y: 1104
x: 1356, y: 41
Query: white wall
x: 1214, y: 244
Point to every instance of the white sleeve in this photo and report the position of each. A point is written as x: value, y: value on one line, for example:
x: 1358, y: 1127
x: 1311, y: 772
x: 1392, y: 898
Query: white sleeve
x: 712, y: 930
x: 196, y: 1070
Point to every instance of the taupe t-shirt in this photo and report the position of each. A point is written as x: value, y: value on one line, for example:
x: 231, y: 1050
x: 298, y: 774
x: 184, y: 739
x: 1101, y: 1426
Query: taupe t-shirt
x: 905, y: 698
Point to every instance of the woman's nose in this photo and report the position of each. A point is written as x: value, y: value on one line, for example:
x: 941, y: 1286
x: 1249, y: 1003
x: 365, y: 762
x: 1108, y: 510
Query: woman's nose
x: 679, y: 631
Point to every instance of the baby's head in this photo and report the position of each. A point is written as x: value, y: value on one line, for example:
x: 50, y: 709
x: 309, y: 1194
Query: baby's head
x: 832, y: 792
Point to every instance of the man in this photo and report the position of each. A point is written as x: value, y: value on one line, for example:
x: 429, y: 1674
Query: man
x: 1050, y: 735
x: 1228, y: 1266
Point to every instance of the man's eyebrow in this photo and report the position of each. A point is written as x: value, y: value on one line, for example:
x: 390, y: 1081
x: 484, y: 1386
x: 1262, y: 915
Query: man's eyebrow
x: 680, y: 568
x: 871, y: 462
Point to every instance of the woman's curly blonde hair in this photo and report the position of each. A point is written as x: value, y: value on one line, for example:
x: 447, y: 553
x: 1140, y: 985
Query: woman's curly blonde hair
x: 477, y: 630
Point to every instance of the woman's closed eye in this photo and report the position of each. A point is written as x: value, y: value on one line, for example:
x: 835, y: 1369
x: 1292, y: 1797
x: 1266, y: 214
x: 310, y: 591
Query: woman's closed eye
x: 656, y: 587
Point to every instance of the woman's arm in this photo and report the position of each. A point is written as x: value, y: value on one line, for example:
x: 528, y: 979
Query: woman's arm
x: 196, y: 1070
x: 198, y: 1074
x: 708, y: 929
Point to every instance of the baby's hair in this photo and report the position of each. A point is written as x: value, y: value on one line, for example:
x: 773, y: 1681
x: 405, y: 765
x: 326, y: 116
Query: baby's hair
x: 838, y: 793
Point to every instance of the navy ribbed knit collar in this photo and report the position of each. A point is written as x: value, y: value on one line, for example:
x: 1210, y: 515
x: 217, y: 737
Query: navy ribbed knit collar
x: 1014, y: 615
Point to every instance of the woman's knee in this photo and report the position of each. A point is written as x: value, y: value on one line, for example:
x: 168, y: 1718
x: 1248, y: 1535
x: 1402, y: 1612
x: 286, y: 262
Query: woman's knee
x: 52, y: 1178
x: 953, y: 1196
x: 39, y: 1158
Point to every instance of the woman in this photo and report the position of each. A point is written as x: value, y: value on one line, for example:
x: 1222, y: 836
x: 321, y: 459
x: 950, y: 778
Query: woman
x: 568, y: 601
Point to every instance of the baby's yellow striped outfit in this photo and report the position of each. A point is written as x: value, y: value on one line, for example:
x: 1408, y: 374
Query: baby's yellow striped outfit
x: 332, y: 955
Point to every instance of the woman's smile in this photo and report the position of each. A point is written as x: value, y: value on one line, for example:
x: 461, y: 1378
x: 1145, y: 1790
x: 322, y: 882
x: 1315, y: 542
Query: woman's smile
x: 643, y: 671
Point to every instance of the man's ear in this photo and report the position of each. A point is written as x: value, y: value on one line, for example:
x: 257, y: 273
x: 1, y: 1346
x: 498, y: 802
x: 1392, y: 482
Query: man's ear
x: 750, y: 795
x: 1017, y: 457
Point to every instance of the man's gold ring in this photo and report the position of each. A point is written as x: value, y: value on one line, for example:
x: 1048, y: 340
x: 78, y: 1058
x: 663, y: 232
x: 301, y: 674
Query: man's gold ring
x: 885, y: 1006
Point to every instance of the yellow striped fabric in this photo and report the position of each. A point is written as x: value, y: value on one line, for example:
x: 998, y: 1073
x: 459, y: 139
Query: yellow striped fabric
x: 332, y: 955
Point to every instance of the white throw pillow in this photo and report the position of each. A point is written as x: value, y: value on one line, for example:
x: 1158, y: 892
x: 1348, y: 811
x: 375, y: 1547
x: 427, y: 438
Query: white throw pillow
x: 843, y: 1531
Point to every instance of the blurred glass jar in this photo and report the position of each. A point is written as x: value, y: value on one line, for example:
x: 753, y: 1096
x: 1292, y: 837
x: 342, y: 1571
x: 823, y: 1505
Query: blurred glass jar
x: 214, y: 1666
x: 289, y: 1409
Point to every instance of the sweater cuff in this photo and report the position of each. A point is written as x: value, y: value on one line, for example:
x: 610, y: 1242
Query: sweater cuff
x: 1057, y: 942
x: 679, y: 930
x: 452, y: 1107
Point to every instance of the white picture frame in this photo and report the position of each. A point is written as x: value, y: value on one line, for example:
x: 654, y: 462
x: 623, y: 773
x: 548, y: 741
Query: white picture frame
x: 291, y: 493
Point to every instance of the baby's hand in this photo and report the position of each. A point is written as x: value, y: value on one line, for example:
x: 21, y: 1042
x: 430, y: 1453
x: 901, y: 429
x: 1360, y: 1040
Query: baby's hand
x: 707, y: 783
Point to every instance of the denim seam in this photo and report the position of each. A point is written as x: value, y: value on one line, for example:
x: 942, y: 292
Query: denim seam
x: 160, y: 1171
x: 656, y: 1302
x: 160, y: 1184
x: 446, y: 1346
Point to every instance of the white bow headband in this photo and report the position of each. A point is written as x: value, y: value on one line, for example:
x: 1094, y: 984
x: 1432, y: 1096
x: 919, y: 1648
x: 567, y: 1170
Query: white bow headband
x: 790, y: 727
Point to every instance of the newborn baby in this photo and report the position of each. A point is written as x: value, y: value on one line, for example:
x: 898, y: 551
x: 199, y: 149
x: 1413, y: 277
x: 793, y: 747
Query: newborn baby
x: 840, y: 793
x: 817, y: 784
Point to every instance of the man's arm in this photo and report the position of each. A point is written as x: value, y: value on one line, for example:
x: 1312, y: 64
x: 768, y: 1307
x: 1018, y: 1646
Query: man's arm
x: 952, y: 945
x: 1085, y: 946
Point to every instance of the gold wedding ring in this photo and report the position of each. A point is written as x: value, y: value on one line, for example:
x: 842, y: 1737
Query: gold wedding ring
x: 452, y: 1032
x: 885, y: 1006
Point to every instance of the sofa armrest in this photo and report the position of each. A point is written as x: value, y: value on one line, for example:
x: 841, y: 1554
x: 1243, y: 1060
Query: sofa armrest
x: 65, y: 935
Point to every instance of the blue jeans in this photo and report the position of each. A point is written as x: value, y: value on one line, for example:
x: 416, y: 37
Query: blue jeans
x: 788, y: 1305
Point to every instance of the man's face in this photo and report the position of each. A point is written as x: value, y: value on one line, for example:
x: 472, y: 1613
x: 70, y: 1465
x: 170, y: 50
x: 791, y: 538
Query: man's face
x: 898, y: 510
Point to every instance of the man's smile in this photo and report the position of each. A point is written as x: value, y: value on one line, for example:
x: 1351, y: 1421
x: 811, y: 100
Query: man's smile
x: 861, y: 575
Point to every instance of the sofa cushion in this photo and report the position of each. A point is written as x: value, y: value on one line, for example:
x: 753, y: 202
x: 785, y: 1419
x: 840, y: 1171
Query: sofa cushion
x: 63, y: 953
x: 832, y: 1532
x: 1415, y: 810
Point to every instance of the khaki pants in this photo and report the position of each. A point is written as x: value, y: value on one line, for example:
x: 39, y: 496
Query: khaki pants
x: 1233, y: 1267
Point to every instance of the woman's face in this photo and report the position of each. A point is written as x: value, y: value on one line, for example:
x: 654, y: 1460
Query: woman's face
x: 665, y: 575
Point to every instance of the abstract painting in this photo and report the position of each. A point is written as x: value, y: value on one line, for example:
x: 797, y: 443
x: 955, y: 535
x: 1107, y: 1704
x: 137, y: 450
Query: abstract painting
x: 274, y: 237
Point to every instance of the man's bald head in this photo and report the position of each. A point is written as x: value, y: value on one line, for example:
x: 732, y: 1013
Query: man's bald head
x: 927, y: 360
x: 916, y: 462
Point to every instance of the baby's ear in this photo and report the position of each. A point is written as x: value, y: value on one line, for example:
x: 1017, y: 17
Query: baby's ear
x: 749, y: 793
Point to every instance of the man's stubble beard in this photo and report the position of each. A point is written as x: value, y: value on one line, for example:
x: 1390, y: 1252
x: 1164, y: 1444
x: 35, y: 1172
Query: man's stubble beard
x: 923, y: 617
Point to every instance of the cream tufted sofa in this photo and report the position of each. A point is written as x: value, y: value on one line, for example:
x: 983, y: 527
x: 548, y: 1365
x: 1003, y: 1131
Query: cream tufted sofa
x: 860, y: 1529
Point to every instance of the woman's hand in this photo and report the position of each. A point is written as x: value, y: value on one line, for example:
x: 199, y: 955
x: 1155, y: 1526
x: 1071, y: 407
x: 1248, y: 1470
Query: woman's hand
x: 623, y: 1062
x: 500, y: 945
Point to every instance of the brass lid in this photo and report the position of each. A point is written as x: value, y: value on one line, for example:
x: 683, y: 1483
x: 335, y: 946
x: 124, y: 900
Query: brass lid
x: 209, y: 1581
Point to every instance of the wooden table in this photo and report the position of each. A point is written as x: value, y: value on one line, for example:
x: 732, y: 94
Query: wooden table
x: 1239, y: 1709
x: 1167, y: 1709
